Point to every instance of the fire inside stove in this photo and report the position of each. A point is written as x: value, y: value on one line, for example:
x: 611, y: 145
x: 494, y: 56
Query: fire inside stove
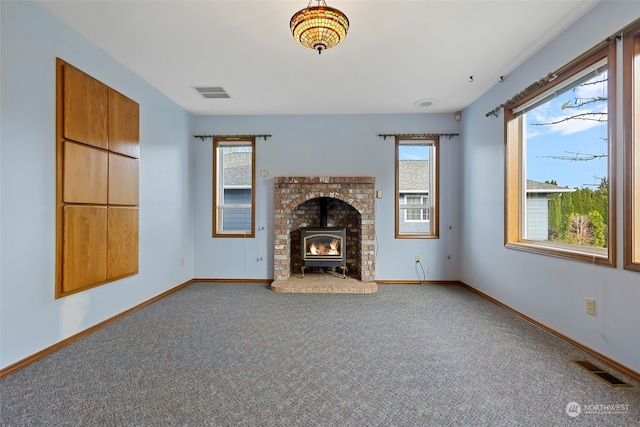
x: 323, y: 247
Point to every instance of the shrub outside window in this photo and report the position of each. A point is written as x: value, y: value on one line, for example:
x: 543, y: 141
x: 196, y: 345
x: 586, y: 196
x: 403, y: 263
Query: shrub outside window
x: 233, y: 188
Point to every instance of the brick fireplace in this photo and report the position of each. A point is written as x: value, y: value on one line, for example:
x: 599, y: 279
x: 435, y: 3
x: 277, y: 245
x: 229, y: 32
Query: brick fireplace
x: 351, y: 202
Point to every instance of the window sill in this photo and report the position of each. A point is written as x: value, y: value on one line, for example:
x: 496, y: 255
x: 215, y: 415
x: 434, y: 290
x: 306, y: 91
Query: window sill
x: 632, y: 266
x: 598, y: 256
x: 417, y: 236
x: 234, y: 235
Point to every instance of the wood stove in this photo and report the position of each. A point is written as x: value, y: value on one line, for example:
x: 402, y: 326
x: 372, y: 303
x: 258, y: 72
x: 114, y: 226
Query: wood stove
x: 324, y: 247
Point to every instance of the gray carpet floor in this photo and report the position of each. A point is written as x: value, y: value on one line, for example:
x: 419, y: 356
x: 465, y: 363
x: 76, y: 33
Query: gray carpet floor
x: 242, y: 355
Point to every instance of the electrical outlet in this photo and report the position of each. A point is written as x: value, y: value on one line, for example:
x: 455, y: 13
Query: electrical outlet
x: 590, y: 306
x: 417, y: 259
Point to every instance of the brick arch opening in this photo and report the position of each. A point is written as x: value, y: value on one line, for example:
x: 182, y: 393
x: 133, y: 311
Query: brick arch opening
x: 319, y: 195
x: 338, y: 214
x: 356, y: 192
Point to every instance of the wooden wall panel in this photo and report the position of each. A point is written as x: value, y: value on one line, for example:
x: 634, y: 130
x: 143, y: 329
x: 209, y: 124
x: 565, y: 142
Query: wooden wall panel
x: 122, y: 240
x: 97, y: 182
x: 85, y: 105
x: 124, y: 133
x: 84, y: 247
x: 85, y: 174
x: 123, y: 180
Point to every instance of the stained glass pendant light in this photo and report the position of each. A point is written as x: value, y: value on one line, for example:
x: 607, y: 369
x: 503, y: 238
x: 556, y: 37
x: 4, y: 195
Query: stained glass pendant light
x: 319, y: 27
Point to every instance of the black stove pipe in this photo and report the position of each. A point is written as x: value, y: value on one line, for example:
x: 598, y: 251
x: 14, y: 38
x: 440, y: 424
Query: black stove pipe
x: 323, y: 212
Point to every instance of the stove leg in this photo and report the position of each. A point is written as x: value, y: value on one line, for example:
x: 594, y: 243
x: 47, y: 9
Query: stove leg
x: 344, y: 276
x: 302, y: 268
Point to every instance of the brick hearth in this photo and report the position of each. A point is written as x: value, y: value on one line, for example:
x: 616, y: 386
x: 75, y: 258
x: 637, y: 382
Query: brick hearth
x: 330, y: 282
x: 357, y: 192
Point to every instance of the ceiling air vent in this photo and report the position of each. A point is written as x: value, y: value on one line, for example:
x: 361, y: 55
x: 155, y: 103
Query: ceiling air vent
x: 212, y: 92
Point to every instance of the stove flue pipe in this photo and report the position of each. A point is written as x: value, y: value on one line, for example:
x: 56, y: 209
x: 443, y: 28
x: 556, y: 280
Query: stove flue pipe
x: 323, y: 212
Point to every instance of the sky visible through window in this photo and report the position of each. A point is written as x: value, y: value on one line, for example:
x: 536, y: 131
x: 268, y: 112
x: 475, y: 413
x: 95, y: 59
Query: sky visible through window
x: 413, y: 152
x: 558, y: 146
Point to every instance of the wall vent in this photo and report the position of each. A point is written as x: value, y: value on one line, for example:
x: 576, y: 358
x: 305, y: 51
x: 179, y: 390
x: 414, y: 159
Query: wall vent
x: 212, y: 92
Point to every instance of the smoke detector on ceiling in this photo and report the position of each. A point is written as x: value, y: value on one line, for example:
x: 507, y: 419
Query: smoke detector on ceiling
x: 212, y: 92
x: 425, y: 103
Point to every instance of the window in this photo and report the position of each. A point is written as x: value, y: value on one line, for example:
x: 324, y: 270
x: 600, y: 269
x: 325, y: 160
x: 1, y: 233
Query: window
x: 559, y: 151
x: 412, y: 214
x: 233, y: 187
x: 416, y: 188
x: 631, y: 102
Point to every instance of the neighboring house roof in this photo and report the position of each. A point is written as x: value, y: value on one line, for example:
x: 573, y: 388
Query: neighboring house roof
x: 237, y: 169
x: 414, y: 176
x: 543, y: 187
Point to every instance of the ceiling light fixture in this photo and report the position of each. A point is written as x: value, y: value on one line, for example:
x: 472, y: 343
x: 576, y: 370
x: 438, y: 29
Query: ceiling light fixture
x: 319, y: 27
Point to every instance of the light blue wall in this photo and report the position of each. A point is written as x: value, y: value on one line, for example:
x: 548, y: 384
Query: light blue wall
x: 332, y: 145
x: 30, y: 317
x: 549, y: 290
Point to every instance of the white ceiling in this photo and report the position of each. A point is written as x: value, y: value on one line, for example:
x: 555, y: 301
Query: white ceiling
x: 395, y: 53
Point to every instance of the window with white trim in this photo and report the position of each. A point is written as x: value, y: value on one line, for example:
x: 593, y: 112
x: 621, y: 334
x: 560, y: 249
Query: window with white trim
x: 414, y: 211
